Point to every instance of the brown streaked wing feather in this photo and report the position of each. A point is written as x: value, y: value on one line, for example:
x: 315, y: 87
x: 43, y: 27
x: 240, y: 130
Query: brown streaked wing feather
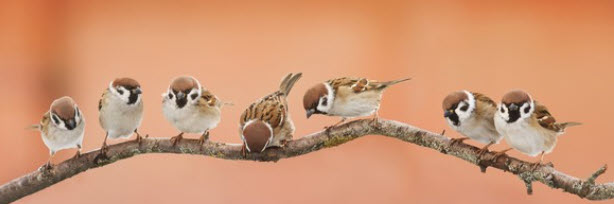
x: 272, y: 109
x: 360, y: 84
x: 484, y: 99
x: 544, y: 117
x: 207, y: 98
x: 344, y: 81
x: 102, y: 101
x: 44, y: 124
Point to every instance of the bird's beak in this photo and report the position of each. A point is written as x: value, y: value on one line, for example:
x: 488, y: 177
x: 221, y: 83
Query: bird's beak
x: 309, y: 113
x: 513, y: 107
x: 137, y: 91
x: 70, y: 124
x: 447, y: 113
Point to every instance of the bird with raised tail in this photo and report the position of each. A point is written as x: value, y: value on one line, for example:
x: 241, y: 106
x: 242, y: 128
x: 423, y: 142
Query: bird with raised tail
x: 191, y: 108
x: 266, y: 122
x: 121, y: 110
x: 62, y: 127
x: 528, y: 126
x: 346, y: 97
x: 472, y: 115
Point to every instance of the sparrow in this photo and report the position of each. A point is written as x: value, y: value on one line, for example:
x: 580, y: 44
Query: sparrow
x: 121, y: 110
x: 346, y: 97
x: 528, y: 126
x: 472, y: 115
x: 191, y: 108
x: 266, y: 122
x: 62, y: 127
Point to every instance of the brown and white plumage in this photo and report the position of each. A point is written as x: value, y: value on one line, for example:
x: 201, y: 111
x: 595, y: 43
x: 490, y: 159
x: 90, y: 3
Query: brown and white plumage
x: 190, y: 107
x: 346, y: 97
x: 526, y: 125
x: 266, y: 122
x: 472, y: 115
x: 121, y: 109
x: 62, y: 126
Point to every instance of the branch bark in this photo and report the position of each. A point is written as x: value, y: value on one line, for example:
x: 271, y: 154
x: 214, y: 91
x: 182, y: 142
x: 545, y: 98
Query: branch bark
x: 38, y: 180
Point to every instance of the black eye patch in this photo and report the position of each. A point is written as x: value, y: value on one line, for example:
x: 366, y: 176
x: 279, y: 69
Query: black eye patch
x: 170, y: 95
x: 464, y: 108
x: 56, y: 120
x: 502, y: 111
x: 193, y: 96
x: 77, y: 111
x: 527, y: 109
x: 120, y: 92
x: 325, y: 101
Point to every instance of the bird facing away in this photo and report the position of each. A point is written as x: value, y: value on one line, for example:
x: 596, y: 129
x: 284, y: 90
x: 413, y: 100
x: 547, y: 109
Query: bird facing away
x: 472, y: 115
x: 191, y: 108
x: 346, y: 97
x: 62, y: 127
x: 121, y: 110
x: 266, y: 122
x: 528, y: 126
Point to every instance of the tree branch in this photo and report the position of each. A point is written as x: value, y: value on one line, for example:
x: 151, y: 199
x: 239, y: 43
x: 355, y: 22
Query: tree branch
x: 39, y: 180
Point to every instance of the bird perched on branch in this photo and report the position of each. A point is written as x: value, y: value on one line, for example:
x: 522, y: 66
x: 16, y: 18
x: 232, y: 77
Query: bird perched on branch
x: 472, y: 115
x: 346, y: 97
x: 191, y: 108
x: 528, y: 126
x: 266, y: 122
x: 62, y: 127
x: 121, y: 110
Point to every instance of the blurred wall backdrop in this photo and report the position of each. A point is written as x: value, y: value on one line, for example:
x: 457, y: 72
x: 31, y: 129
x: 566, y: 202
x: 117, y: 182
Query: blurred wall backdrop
x: 560, y: 51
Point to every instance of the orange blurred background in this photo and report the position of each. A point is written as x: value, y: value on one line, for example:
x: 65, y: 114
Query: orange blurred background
x: 561, y: 52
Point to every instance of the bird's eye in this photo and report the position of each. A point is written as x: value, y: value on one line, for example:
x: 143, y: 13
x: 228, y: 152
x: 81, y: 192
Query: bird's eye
x: 464, y: 108
x: 56, y: 120
x: 325, y: 101
x: 193, y: 96
x: 502, y: 111
x: 527, y: 109
x: 120, y: 92
x: 170, y: 96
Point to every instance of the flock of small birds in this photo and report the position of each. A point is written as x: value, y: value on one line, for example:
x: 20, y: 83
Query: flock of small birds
x: 526, y: 125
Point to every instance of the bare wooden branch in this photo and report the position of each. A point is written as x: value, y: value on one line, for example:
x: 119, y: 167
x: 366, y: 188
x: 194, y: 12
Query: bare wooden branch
x: 39, y: 180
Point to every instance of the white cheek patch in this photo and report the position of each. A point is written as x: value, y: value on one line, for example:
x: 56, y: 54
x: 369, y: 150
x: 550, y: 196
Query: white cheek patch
x: 470, y: 103
x: 524, y: 114
x: 503, y: 114
x: 330, y: 98
x: 194, y: 91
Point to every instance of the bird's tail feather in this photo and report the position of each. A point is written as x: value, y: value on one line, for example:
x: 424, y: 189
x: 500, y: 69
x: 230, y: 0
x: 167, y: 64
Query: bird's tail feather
x: 34, y: 127
x: 393, y: 82
x: 288, y: 82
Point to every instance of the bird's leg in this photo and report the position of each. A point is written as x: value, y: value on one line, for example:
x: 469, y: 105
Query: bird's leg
x: 455, y: 141
x: 243, y: 151
x: 48, y: 166
x: 104, y: 148
x: 484, y: 149
x: 204, y: 137
x: 78, y: 154
x: 176, y: 139
x: 537, y: 164
x: 328, y: 128
x: 375, y: 120
x: 139, y: 138
x: 499, y: 154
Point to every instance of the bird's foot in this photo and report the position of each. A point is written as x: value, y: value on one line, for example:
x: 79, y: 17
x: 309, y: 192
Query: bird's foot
x: 499, y: 154
x: 77, y: 155
x: 46, y: 167
x: 455, y: 141
x: 176, y: 139
x: 203, y: 138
